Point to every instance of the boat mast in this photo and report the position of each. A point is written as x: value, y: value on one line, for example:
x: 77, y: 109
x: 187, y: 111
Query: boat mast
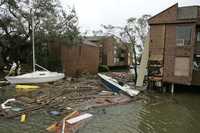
x: 33, y: 35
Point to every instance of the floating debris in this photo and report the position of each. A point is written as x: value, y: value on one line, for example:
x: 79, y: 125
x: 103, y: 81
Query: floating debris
x: 27, y: 87
x: 23, y: 118
x: 3, y: 105
x: 79, y: 118
x: 62, y: 98
x: 54, y: 113
x: 16, y: 109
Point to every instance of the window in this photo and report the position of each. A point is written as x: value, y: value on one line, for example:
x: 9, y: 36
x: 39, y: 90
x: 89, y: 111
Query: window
x: 183, y: 35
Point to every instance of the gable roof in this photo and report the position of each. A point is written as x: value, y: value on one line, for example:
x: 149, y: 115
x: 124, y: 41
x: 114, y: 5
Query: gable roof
x: 175, y: 14
x: 157, y: 15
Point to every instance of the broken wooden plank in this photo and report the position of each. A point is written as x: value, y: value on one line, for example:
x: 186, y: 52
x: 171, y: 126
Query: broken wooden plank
x: 79, y: 118
x: 143, y: 64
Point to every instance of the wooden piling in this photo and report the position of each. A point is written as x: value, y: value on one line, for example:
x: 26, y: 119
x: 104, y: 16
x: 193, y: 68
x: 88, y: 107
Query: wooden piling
x: 172, y: 88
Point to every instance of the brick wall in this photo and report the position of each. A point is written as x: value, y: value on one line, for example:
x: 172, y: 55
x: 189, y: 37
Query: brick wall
x: 109, y: 45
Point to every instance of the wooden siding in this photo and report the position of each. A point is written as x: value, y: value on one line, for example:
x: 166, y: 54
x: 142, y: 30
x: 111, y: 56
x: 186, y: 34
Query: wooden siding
x: 163, y: 46
x: 156, y: 53
x: 80, y: 59
x: 171, y: 52
x: 182, y: 66
x: 157, y: 35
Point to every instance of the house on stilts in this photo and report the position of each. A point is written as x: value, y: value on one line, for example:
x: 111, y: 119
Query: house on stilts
x: 174, y: 46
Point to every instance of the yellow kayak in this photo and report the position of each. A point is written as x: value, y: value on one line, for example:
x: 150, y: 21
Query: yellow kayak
x: 27, y: 87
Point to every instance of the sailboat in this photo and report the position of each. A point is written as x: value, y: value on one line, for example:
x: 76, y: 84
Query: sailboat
x: 35, y: 76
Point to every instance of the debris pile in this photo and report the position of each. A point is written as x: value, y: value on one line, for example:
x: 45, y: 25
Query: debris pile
x: 71, y: 96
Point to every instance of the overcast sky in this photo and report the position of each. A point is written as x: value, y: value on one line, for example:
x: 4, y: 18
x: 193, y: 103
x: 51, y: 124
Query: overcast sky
x: 93, y: 13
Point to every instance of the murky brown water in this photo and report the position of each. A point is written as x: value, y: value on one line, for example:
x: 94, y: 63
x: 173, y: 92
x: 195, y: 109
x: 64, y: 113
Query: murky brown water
x: 164, y: 113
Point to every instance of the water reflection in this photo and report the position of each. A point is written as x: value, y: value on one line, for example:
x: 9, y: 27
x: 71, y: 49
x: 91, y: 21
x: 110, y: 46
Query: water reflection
x: 163, y: 114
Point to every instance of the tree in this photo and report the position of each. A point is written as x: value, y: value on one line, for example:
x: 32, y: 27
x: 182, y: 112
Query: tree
x: 129, y: 34
x: 134, y: 34
x: 52, y: 23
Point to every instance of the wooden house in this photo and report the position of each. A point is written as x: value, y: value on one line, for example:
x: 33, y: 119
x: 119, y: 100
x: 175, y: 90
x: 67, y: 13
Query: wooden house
x: 174, y: 47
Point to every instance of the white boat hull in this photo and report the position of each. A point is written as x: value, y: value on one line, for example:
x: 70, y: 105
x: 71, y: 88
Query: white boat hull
x: 35, y: 77
x: 113, y: 84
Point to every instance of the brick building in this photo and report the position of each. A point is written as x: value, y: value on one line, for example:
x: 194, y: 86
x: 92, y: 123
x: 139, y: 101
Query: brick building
x: 174, y: 46
x: 92, y: 52
x: 113, y: 52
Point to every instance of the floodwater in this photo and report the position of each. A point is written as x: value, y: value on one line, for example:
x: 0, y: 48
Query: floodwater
x: 156, y: 113
x: 164, y: 113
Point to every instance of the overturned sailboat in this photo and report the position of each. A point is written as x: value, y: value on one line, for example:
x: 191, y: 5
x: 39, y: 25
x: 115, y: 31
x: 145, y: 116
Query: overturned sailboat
x: 116, y: 86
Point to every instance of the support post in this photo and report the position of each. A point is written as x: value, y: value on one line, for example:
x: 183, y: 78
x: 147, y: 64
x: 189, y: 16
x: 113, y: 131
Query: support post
x: 164, y: 89
x: 172, y: 89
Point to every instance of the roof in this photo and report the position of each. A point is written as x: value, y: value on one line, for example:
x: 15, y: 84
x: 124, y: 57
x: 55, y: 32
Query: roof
x: 163, y: 11
x: 86, y: 42
x: 175, y: 14
x: 98, y: 38
x: 95, y: 38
